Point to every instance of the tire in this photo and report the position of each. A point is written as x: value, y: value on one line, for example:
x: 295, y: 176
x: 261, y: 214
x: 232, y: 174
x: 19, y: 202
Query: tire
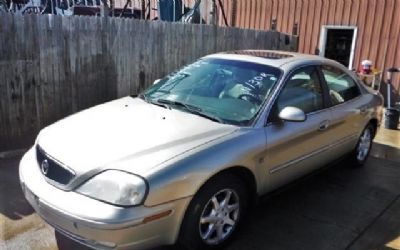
x: 209, y: 221
x: 360, y: 154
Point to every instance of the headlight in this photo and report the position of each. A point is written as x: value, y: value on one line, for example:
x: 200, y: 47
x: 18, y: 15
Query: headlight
x: 115, y: 187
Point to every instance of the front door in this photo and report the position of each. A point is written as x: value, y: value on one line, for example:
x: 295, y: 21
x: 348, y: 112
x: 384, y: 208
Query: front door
x: 296, y: 148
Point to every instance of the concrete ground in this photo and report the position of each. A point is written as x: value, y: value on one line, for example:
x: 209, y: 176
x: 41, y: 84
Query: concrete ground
x: 337, y: 208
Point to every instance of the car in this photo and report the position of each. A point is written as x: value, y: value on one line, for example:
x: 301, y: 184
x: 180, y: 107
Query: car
x: 182, y: 162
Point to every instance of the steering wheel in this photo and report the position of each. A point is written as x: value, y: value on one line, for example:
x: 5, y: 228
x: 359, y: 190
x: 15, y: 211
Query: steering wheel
x: 250, y: 98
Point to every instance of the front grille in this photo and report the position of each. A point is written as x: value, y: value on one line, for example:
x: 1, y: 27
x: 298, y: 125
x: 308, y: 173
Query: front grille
x: 54, y: 170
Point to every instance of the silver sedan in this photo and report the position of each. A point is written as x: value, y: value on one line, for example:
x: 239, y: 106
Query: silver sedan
x: 182, y: 162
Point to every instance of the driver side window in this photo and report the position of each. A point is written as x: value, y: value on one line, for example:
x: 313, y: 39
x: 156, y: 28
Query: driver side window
x: 302, y: 90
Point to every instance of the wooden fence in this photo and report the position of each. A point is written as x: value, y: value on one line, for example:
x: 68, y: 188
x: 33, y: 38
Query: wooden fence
x: 53, y: 66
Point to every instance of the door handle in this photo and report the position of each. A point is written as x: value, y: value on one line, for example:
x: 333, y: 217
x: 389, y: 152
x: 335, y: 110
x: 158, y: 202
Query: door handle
x: 323, y: 125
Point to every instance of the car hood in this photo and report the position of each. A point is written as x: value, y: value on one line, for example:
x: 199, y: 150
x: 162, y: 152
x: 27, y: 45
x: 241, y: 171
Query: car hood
x: 127, y: 130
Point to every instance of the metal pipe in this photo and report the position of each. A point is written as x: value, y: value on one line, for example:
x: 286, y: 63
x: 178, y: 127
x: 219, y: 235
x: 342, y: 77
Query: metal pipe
x: 389, y: 91
x: 223, y: 13
x: 174, y: 11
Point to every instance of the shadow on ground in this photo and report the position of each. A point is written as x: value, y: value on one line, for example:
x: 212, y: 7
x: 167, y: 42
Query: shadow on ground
x: 338, y: 208
x: 12, y: 202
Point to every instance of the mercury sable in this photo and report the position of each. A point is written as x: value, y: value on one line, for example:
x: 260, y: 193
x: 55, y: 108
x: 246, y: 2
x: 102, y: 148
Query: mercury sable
x: 181, y: 163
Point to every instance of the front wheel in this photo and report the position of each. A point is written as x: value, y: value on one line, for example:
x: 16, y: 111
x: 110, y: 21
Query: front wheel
x: 363, y: 148
x: 214, y: 214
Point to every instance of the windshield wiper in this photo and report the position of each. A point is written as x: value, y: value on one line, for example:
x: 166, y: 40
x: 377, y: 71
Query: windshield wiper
x: 192, y: 109
x: 151, y: 101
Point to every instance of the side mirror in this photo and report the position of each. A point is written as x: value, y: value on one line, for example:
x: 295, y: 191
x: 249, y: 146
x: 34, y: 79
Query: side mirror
x: 156, y: 81
x: 292, y: 114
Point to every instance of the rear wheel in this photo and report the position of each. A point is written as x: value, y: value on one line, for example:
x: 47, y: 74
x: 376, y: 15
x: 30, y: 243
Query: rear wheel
x: 363, y: 148
x: 214, y: 214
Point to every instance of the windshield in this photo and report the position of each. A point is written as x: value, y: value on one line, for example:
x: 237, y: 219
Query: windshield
x: 223, y: 90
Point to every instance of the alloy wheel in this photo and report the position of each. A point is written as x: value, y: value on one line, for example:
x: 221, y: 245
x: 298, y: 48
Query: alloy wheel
x: 219, y: 217
x: 364, y: 145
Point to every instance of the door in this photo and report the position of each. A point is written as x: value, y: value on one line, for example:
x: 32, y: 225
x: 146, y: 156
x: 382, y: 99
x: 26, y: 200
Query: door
x: 347, y: 108
x: 338, y: 43
x: 296, y: 148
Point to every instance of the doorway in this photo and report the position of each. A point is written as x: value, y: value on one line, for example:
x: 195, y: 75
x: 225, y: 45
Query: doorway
x: 338, y: 43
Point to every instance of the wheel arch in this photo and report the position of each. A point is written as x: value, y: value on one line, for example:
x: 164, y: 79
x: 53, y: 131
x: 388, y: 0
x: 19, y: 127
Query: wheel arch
x: 242, y: 173
x: 374, y: 122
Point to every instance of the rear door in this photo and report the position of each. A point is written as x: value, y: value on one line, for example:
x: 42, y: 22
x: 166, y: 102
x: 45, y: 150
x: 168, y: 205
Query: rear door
x: 296, y: 148
x: 347, y: 108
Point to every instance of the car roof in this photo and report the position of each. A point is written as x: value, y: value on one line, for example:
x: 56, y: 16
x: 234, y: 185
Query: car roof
x: 274, y: 58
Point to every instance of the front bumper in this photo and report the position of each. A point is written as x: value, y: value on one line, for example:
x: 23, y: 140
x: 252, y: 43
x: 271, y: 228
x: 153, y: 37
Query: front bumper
x: 97, y: 224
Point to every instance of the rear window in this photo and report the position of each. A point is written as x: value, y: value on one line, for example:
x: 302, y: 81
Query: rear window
x: 342, y: 87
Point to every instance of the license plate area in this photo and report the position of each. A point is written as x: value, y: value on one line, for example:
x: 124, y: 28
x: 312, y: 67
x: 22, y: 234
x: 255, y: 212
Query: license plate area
x: 48, y: 214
